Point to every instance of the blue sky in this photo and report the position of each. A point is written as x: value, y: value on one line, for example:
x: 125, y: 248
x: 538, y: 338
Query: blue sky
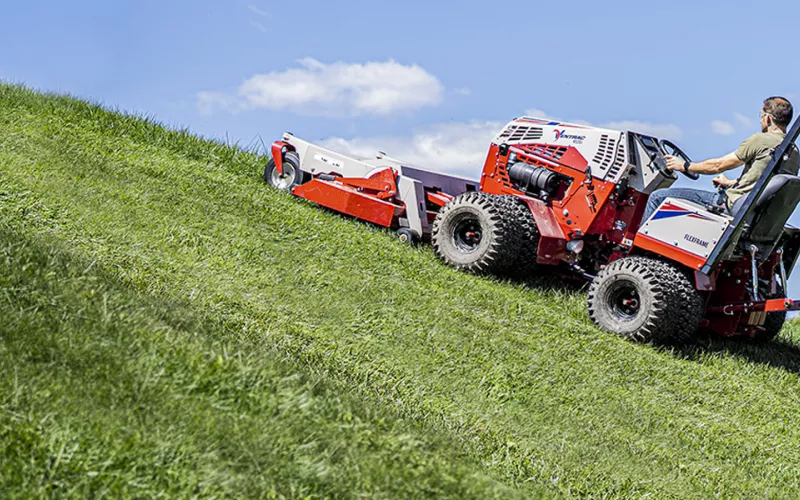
x: 426, y: 81
x: 679, y: 66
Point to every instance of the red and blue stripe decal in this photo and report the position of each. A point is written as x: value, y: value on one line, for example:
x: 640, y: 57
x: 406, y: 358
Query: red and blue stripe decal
x: 528, y: 119
x: 538, y: 121
x: 669, y: 210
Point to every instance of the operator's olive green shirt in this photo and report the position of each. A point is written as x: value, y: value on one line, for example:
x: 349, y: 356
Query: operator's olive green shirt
x: 755, y: 152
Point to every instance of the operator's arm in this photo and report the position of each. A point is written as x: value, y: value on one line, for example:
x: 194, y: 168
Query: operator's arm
x: 711, y: 166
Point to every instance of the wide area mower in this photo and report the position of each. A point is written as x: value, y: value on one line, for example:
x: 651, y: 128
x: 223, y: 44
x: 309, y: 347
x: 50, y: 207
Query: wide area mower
x: 569, y: 199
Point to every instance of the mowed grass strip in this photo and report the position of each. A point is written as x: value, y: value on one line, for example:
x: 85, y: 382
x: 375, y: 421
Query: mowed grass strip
x: 517, y: 374
x: 108, y: 393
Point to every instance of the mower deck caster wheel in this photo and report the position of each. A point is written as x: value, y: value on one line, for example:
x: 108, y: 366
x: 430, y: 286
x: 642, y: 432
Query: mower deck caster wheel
x: 292, y: 175
x: 407, y: 235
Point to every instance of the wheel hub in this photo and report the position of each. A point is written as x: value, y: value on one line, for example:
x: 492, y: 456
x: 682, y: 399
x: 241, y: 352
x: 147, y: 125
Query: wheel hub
x: 283, y: 181
x: 624, y: 300
x: 468, y: 234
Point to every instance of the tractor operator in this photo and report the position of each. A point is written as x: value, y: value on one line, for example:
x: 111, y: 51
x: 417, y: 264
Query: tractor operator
x: 755, y: 153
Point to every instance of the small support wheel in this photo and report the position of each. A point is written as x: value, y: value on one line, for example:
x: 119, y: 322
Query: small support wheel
x: 292, y: 175
x: 407, y: 235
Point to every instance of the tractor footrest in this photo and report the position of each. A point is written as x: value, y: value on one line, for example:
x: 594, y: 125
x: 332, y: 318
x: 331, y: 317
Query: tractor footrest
x: 350, y: 201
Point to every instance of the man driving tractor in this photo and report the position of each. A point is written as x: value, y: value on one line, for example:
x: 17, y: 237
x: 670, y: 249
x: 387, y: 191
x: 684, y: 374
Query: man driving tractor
x: 539, y: 206
x: 755, y: 153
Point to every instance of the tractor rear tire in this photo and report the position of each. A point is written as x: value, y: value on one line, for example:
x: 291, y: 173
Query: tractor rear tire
x: 646, y: 300
x: 486, y: 234
x: 292, y: 175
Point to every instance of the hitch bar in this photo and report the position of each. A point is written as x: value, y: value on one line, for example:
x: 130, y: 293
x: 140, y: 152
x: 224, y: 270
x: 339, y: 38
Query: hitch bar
x: 770, y: 305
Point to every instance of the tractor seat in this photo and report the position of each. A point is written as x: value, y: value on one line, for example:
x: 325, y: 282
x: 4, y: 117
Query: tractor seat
x: 773, y: 209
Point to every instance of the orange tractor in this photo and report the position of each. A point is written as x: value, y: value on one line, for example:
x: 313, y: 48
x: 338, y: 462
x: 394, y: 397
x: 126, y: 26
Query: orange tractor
x: 569, y: 199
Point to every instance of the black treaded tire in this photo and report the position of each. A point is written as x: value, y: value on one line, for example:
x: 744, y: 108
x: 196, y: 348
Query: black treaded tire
x: 518, y: 213
x: 669, y: 307
x: 292, y: 175
x: 486, y: 234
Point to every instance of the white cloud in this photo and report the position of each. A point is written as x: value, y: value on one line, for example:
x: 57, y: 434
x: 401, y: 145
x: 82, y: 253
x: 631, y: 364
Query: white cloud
x: 462, y: 91
x: 743, y: 120
x: 208, y: 102
x: 457, y: 148
x: 257, y: 25
x: 660, y: 130
x: 461, y: 148
x: 340, y: 89
x: 257, y: 11
x: 538, y: 113
x: 720, y: 127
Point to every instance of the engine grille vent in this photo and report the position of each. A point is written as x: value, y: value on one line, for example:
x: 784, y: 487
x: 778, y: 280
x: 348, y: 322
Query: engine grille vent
x: 605, y: 152
x: 619, y: 162
x: 502, y: 175
x: 548, y: 152
x: 521, y: 133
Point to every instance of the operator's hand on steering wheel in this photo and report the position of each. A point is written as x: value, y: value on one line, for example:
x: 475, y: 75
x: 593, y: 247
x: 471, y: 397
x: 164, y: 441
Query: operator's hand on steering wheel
x: 674, y: 163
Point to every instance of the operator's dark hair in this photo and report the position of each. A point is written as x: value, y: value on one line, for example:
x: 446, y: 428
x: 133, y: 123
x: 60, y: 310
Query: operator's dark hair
x: 780, y: 109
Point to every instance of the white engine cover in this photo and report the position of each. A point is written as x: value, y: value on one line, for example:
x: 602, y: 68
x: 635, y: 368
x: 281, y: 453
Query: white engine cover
x: 605, y: 150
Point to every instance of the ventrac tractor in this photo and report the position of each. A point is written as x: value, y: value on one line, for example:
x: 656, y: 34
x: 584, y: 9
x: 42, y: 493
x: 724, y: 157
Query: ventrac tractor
x: 569, y: 199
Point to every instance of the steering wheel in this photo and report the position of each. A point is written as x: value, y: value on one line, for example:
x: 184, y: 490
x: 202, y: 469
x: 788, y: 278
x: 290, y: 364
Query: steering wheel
x: 671, y: 149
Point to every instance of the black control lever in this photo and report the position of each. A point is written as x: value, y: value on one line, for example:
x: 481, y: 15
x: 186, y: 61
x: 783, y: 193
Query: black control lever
x: 721, y: 202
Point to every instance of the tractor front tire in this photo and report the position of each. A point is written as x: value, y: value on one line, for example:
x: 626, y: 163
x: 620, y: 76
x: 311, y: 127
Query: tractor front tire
x: 486, y: 234
x: 645, y: 300
x: 292, y: 175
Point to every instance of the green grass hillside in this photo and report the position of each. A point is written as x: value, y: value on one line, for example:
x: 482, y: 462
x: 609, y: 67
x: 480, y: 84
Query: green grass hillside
x: 173, y: 326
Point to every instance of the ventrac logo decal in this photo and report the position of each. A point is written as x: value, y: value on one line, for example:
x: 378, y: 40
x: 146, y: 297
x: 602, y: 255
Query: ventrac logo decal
x: 562, y: 134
